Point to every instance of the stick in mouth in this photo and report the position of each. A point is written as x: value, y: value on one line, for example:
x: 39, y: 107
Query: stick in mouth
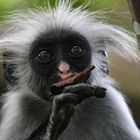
x: 78, y: 78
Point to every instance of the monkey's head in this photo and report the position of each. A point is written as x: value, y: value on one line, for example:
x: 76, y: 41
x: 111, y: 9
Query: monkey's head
x: 56, y: 44
x: 56, y: 55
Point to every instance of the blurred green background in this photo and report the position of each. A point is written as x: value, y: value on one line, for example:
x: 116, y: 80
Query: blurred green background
x: 127, y: 74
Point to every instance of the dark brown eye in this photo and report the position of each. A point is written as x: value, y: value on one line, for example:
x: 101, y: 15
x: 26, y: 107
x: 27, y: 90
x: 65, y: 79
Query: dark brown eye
x: 76, y: 51
x: 44, y: 56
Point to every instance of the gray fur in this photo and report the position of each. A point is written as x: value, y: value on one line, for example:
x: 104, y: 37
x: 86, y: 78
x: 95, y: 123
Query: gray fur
x: 95, y: 119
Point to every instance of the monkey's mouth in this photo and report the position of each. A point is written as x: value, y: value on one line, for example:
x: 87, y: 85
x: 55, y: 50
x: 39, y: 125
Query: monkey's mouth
x: 81, y: 77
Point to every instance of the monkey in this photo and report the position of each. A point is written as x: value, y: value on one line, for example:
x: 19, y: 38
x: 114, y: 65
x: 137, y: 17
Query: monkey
x: 47, y: 46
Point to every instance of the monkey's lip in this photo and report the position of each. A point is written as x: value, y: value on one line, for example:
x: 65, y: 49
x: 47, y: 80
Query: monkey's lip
x: 66, y: 76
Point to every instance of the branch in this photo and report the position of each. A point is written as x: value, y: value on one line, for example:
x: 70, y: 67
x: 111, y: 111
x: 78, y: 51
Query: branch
x: 135, y: 11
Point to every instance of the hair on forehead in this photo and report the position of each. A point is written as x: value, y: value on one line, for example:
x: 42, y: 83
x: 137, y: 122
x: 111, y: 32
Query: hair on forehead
x: 29, y: 24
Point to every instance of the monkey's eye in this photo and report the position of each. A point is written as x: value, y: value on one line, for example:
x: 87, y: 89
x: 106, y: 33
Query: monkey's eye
x: 76, y: 51
x: 44, y: 56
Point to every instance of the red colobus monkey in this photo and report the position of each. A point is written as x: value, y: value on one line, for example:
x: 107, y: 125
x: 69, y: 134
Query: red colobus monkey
x: 46, y: 46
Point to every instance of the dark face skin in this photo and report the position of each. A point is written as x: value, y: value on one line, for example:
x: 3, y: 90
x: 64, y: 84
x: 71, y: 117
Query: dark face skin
x: 57, y: 55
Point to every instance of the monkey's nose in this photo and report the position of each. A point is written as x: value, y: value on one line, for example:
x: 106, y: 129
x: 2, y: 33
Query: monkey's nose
x: 64, y: 70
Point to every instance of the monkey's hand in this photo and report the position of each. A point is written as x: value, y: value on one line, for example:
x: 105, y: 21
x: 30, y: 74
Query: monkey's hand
x: 84, y: 91
x: 64, y: 106
x: 62, y: 111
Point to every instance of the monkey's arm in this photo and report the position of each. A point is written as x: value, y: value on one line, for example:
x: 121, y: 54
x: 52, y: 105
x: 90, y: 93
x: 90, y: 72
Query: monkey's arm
x: 62, y: 110
x: 64, y: 107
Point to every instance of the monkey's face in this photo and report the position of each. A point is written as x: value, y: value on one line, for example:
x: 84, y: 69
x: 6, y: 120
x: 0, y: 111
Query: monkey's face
x: 58, y: 55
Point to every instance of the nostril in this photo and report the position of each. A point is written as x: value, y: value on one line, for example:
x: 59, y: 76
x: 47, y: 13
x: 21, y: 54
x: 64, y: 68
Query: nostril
x: 64, y: 71
x: 61, y: 72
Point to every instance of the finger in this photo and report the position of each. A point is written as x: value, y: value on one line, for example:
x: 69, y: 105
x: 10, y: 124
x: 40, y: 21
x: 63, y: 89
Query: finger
x: 65, y: 97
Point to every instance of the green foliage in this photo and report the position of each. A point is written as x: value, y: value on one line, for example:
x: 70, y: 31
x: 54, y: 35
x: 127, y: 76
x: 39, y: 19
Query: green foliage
x: 6, y: 6
x: 107, y: 3
x: 9, y: 5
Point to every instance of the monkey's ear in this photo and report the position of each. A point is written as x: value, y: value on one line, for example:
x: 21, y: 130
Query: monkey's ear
x: 10, y: 79
x: 104, y: 65
x: 101, y: 50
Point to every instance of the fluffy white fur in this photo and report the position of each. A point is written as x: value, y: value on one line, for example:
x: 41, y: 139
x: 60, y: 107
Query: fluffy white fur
x: 95, y: 119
